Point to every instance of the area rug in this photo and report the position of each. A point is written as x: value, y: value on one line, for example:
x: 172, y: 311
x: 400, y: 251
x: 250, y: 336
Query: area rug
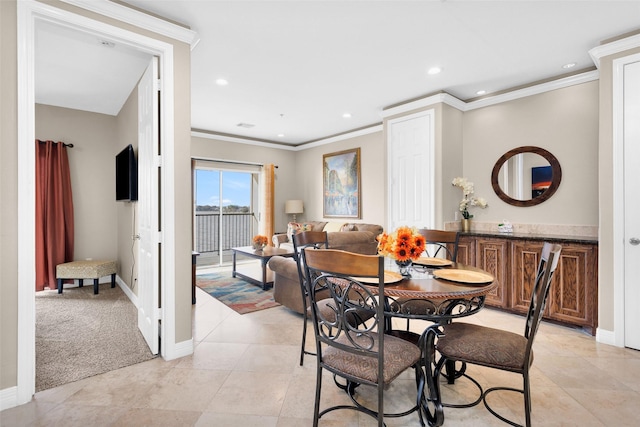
x: 241, y: 296
x: 79, y: 334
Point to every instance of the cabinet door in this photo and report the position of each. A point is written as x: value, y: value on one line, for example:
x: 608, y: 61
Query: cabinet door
x: 467, y: 250
x: 574, y: 289
x: 525, y: 257
x: 492, y: 256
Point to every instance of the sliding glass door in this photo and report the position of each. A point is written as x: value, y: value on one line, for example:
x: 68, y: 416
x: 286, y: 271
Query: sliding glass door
x: 225, y: 201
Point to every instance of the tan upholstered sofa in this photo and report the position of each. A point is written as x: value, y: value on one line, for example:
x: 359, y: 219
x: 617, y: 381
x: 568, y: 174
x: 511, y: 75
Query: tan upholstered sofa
x: 352, y: 237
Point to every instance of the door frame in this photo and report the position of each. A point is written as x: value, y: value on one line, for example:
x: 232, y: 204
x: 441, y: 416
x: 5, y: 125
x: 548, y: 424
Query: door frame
x: 618, y: 198
x: 29, y: 12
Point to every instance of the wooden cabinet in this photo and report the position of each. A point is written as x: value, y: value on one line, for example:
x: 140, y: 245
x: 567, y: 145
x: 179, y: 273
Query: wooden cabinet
x: 492, y: 255
x: 513, y: 261
x: 574, y: 291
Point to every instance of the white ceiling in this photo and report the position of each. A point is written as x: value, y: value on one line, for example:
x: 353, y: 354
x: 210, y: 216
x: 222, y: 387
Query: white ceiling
x: 294, y: 68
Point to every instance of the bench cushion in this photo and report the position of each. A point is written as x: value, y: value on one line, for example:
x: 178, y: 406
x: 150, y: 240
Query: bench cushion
x: 85, y: 269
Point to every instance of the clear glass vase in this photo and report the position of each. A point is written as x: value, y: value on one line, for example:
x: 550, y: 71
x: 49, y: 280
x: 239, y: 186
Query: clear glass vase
x: 404, y: 268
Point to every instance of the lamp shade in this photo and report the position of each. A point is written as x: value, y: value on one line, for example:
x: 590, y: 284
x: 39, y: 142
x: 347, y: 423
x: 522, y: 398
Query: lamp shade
x: 293, y: 206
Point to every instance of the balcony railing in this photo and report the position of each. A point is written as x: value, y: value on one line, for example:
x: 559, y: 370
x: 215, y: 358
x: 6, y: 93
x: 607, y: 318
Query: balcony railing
x: 236, y: 230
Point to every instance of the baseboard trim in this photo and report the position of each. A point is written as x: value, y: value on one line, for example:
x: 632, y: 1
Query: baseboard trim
x: 127, y: 291
x: 606, y: 337
x: 8, y: 398
x: 180, y: 349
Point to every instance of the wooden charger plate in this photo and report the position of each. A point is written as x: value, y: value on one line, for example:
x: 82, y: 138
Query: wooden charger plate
x: 433, y: 262
x: 463, y: 276
x: 389, y: 277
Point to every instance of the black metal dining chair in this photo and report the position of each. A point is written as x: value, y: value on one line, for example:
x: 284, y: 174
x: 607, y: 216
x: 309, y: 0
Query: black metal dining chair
x: 493, y: 348
x: 362, y: 354
x: 316, y: 240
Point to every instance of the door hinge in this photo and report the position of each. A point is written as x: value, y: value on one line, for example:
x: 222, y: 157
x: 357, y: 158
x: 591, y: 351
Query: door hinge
x: 158, y: 314
x: 160, y: 237
x: 158, y: 162
x: 158, y: 85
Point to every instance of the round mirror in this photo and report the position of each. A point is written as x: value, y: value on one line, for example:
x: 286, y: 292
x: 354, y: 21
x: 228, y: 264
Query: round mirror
x: 526, y: 176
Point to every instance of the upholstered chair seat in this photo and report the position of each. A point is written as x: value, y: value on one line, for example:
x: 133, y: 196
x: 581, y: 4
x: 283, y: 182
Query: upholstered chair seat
x: 466, y: 342
x: 398, y: 354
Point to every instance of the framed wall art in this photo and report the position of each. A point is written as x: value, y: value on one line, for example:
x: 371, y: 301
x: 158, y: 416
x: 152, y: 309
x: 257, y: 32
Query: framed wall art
x: 341, y: 195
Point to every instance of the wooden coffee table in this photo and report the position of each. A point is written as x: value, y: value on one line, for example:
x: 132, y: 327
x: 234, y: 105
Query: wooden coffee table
x: 264, y: 256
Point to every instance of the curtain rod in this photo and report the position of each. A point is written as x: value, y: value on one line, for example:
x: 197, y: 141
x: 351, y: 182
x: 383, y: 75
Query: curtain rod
x: 63, y: 143
x: 233, y: 162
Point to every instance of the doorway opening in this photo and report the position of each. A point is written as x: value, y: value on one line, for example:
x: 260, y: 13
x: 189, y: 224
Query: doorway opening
x: 29, y: 13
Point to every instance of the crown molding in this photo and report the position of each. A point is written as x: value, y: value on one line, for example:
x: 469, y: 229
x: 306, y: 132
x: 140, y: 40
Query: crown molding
x: 534, y: 90
x: 139, y: 19
x: 300, y: 147
x: 240, y: 140
x: 599, y: 52
x: 463, y: 106
x: 341, y: 137
x: 440, y: 98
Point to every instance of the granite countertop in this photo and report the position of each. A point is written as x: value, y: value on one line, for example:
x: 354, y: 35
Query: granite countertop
x: 530, y: 236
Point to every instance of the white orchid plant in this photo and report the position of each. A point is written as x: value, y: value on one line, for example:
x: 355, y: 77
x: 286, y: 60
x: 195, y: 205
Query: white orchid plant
x: 468, y: 199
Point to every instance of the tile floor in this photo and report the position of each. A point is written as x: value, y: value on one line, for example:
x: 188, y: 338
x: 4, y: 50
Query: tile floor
x: 245, y: 372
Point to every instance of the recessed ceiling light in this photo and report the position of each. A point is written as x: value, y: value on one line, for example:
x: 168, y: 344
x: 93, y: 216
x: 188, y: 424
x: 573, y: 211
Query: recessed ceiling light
x: 434, y: 70
x: 222, y: 82
x: 346, y: 115
x: 481, y: 92
x: 569, y: 65
x: 281, y: 135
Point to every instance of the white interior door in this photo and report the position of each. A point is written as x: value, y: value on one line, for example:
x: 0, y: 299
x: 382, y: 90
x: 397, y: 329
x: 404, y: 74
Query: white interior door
x: 148, y: 206
x: 631, y: 138
x: 410, y: 160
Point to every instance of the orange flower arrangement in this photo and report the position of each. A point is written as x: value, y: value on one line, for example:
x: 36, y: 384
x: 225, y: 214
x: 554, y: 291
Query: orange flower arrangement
x: 260, y: 240
x: 402, y: 245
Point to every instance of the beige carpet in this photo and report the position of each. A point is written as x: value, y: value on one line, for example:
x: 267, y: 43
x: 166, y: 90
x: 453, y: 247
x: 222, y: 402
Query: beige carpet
x: 79, y: 334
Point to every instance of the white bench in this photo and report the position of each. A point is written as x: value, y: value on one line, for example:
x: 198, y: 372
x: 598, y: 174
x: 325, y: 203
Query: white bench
x: 86, y: 270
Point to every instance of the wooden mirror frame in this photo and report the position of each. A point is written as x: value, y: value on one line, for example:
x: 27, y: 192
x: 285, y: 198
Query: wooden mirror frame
x: 555, y: 169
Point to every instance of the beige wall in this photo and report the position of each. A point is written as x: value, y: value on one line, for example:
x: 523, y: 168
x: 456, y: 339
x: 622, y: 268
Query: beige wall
x: 309, y: 167
x: 92, y: 174
x: 103, y: 226
x: 126, y: 247
x: 9, y: 197
x: 564, y: 122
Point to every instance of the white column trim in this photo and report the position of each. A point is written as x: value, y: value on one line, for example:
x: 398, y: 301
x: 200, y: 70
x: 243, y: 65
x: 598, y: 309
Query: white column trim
x: 618, y: 278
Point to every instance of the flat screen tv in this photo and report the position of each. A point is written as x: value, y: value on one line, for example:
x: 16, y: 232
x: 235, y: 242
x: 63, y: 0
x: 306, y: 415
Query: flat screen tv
x: 126, y: 175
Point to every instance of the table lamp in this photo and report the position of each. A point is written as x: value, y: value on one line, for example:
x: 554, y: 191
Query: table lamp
x: 293, y: 207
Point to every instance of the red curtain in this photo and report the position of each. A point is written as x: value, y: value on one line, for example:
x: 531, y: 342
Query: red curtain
x: 54, y: 212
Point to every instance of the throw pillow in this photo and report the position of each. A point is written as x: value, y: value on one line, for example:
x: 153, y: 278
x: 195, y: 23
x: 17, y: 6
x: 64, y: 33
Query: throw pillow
x: 349, y: 227
x: 333, y: 226
x: 296, y: 227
